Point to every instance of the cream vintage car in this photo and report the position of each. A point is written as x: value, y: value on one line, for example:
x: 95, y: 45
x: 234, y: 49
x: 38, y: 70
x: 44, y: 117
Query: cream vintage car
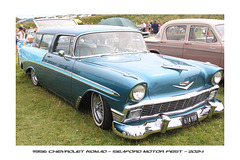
x: 196, y: 39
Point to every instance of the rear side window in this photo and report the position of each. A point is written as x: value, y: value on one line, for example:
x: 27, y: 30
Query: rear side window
x: 46, y: 41
x: 176, y: 32
x: 37, y: 40
x: 201, y: 34
x: 64, y: 43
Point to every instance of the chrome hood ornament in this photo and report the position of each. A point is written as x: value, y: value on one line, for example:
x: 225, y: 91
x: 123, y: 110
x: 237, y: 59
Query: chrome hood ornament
x: 175, y: 67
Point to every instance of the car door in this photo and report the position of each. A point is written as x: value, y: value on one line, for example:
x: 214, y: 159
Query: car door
x: 173, y: 40
x: 202, y: 45
x: 59, y: 62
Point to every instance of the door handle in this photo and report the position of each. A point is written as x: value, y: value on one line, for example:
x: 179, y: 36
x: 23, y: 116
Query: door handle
x: 186, y: 43
x: 212, y: 48
x: 49, y: 56
x: 162, y: 42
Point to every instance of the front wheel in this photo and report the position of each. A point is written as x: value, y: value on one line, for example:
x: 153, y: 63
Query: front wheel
x: 34, y: 78
x: 100, y: 111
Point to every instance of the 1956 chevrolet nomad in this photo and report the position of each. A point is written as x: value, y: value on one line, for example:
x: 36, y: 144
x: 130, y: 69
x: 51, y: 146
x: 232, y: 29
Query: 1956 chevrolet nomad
x: 109, y: 69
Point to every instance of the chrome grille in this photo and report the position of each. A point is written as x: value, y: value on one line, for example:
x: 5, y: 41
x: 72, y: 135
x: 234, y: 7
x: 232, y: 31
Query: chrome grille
x: 174, y: 105
x: 117, y: 116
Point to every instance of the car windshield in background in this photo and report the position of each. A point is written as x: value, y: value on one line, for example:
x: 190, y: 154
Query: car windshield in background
x: 109, y: 43
x: 220, y: 30
x: 54, y: 23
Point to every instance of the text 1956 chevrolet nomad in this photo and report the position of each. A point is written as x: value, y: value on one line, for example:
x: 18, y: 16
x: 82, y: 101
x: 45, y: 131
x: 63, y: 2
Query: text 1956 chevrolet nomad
x: 108, y: 68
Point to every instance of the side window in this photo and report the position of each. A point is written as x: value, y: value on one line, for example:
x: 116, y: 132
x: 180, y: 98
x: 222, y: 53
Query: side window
x: 176, y: 32
x: 201, y: 34
x: 210, y: 37
x: 46, y: 41
x: 86, y: 44
x: 37, y: 40
x: 64, y: 43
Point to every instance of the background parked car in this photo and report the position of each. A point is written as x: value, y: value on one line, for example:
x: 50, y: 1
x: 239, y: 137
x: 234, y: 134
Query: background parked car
x: 197, y: 39
x: 116, y: 21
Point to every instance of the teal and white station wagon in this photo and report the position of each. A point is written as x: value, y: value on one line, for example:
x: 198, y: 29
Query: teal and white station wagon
x: 132, y: 91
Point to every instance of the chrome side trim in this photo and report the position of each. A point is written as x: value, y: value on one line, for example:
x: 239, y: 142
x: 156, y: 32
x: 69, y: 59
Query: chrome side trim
x: 151, y: 43
x: 206, y: 50
x: 171, y: 46
x: 197, y: 49
x: 113, y: 92
x: 78, y: 102
x: 73, y: 74
x: 70, y: 74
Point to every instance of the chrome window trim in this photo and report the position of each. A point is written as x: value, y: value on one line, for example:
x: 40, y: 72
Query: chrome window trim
x: 63, y: 34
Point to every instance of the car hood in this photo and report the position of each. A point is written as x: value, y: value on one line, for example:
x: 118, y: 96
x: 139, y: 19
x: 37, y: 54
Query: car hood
x: 163, y: 75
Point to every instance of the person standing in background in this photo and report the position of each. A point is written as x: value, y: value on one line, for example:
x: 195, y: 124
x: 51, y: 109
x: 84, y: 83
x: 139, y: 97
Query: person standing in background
x: 21, y: 34
x: 155, y: 27
x: 143, y: 28
x: 148, y: 26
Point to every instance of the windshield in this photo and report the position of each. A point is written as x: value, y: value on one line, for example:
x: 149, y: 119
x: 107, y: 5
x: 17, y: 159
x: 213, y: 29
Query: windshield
x: 54, y: 22
x: 109, y: 43
x: 220, y: 30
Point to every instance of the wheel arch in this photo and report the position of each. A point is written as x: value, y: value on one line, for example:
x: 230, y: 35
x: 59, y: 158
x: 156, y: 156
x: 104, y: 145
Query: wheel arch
x: 154, y: 51
x: 28, y: 69
x: 85, y: 99
x: 86, y: 103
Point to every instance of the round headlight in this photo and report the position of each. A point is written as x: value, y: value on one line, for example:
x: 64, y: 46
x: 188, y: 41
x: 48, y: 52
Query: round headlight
x: 217, y: 77
x: 138, y: 92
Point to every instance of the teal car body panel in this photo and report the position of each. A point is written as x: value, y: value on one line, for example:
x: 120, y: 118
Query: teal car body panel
x: 114, y: 77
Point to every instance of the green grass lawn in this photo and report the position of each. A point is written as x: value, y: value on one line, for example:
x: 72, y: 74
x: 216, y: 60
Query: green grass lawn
x: 42, y: 118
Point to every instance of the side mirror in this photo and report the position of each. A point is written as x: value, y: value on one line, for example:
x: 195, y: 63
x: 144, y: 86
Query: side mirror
x: 61, y: 53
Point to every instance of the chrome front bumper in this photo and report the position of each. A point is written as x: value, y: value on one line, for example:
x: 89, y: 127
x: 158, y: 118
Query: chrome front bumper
x: 163, y: 122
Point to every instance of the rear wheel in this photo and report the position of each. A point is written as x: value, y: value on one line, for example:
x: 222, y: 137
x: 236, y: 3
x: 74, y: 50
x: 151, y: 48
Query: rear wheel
x: 34, y: 78
x: 100, y: 111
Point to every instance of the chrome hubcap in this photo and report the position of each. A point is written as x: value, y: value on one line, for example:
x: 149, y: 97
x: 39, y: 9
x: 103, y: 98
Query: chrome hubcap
x: 97, y: 108
x: 34, y: 78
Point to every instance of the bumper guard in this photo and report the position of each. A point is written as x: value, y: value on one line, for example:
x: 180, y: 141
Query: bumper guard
x: 163, y: 122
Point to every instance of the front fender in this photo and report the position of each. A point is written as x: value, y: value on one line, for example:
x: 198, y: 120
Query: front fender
x: 114, y: 86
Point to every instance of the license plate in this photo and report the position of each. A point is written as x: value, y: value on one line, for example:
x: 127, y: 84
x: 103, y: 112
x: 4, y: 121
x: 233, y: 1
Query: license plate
x: 190, y: 119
